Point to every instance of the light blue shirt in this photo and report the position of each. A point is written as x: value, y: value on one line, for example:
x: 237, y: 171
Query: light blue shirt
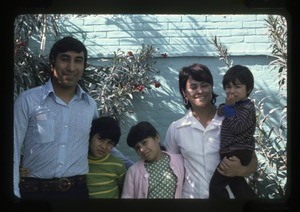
x: 52, y: 135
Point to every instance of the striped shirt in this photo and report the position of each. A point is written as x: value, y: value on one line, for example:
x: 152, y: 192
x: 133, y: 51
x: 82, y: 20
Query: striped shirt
x: 238, y: 126
x: 106, y: 177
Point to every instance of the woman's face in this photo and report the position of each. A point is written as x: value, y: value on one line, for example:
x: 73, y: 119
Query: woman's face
x: 198, y: 93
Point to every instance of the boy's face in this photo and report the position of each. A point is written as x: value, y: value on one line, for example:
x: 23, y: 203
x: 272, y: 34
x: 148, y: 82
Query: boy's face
x: 235, y: 92
x: 100, y: 147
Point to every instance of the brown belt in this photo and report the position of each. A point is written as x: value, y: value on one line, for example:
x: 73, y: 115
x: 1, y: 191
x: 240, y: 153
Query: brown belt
x: 31, y: 184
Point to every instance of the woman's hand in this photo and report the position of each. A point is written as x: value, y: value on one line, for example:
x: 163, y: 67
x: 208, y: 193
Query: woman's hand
x: 232, y: 167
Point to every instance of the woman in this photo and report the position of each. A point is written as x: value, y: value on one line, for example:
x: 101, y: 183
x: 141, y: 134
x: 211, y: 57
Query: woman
x: 197, y: 135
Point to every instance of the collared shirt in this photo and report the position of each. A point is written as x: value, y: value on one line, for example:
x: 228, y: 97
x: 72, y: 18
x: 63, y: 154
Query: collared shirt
x: 53, y: 135
x: 199, y: 147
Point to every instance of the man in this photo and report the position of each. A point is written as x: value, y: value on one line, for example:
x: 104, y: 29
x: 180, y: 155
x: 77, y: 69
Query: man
x: 51, y: 126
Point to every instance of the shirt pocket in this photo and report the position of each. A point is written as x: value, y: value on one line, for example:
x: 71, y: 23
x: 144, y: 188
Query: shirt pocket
x: 44, y: 128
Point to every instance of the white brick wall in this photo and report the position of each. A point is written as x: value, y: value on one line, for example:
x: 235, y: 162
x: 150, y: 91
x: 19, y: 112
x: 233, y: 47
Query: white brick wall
x: 177, y: 35
x: 185, y: 39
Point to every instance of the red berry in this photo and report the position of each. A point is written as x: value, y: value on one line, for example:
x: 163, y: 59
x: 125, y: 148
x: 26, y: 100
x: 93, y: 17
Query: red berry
x: 140, y: 88
x: 157, y: 84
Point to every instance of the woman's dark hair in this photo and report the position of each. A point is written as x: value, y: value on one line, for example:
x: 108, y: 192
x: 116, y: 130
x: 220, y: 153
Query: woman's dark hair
x: 198, y: 72
x: 67, y: 44
x: 139, y: 132
x: 107, y: 127
x: 240, y: 73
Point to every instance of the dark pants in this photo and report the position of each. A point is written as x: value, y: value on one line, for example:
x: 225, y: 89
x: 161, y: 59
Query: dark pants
x: 238, y: 185
x: 61, y: 188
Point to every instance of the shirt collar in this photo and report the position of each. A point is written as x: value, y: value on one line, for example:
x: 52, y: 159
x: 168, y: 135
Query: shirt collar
x: 48, y: 89
x: 92, y: 158
x: 188, y: 119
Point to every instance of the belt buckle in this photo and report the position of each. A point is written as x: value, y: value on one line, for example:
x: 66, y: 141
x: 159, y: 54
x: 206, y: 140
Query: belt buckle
x: 64, y: 184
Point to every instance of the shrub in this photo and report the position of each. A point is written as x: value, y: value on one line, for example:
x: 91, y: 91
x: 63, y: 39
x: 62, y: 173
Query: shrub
x: 128, y: 74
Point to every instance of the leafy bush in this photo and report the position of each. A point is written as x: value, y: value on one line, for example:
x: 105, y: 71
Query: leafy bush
x: 114, y: 86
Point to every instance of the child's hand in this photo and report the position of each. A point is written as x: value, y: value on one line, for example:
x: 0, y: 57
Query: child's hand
x: 231, y: 99
x: 24, y: 172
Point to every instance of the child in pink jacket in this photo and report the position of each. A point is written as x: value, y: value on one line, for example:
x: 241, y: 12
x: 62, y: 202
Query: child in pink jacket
x: 159, y: 174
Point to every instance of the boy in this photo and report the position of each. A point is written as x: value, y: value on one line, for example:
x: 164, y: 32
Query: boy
x: 106, y: 172
x: 237, y: 131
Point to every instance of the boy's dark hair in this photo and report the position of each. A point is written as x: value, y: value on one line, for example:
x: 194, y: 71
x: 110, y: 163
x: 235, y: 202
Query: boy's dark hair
x: 241, y: 73
x: 107, y: 127
x: 67, y: 44
x: 139, y: 132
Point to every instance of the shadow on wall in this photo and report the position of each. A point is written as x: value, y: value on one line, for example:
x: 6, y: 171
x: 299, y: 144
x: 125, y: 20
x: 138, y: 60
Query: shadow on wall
x: 161, y: 106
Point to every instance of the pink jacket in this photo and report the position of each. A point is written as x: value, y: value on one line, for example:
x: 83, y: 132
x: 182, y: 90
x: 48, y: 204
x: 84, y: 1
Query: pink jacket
x: 136, y: 180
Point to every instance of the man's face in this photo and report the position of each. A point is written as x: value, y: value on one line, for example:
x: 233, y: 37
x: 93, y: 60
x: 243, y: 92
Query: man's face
x: 68, y: 68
